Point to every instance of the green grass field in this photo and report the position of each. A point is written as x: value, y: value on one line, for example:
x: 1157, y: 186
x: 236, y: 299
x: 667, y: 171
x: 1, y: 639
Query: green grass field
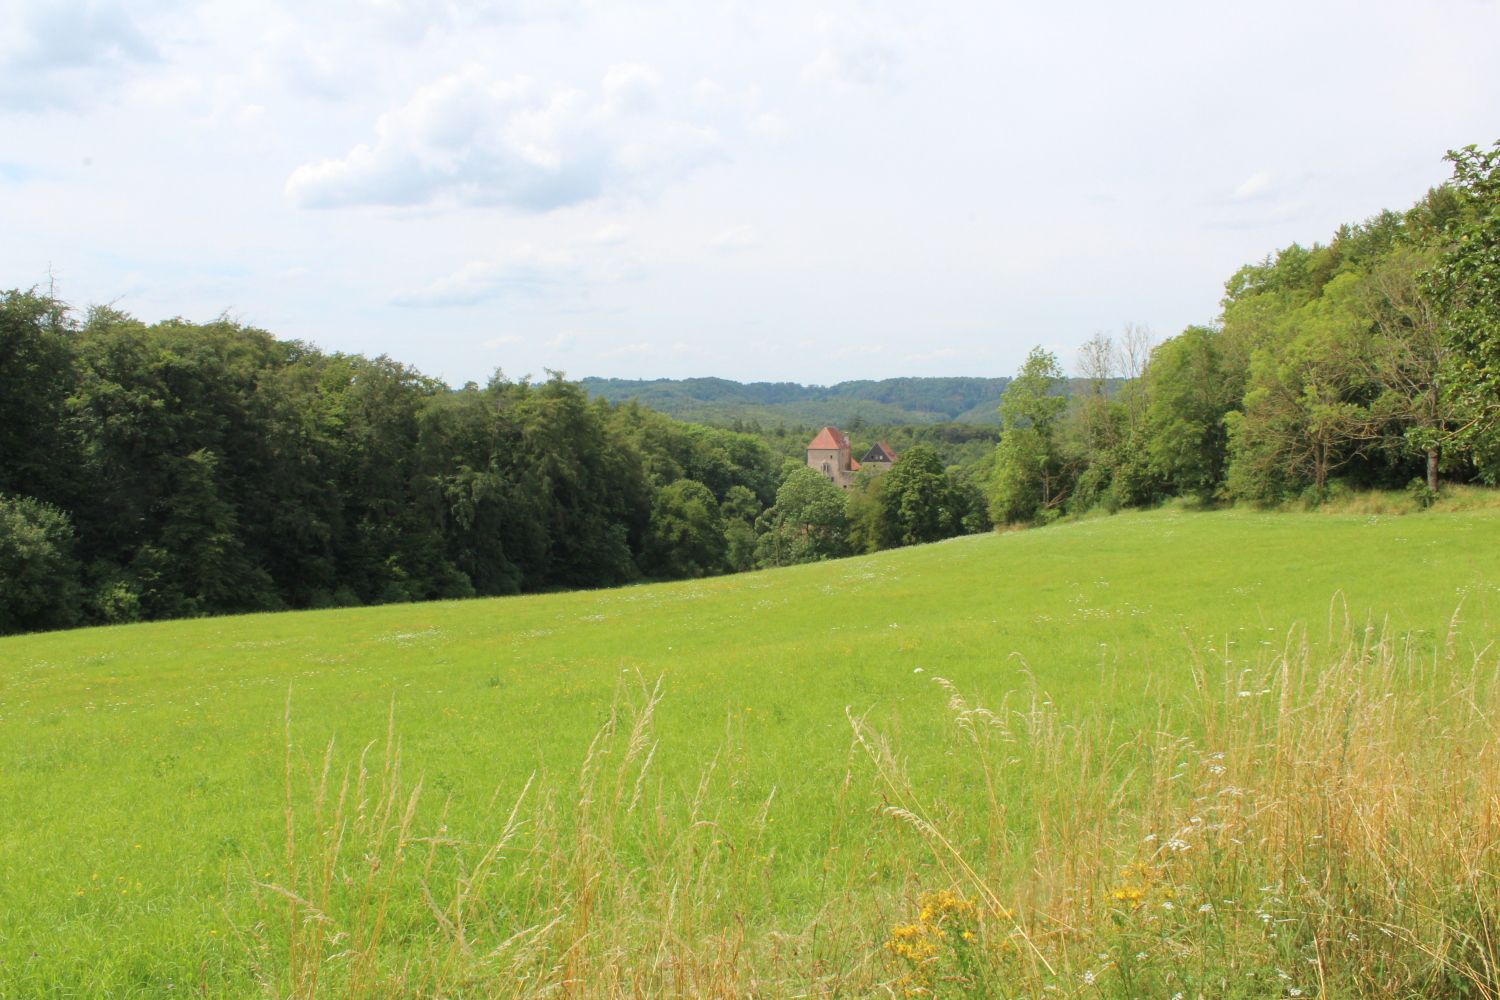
x: 142, y: 768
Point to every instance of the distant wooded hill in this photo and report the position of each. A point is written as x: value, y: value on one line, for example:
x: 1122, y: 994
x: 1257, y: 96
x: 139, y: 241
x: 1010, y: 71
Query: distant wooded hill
x: 887, y: 401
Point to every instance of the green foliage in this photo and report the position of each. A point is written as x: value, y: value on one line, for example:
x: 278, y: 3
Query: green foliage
x: 1031, y: 476
x: 966, y: 491
x: 741, y: 508
x: 808, y: 523
x: 38, y: 574
x: 1306, y: 410
x: 720, y: 459
x: 1423, y: 495
x: 1371, y: 359
x: 244, y: 473
x: 200, y: 531
x: 1191, y: 390
x: 851, y: 405
x: 686, y: 536
x: 1466, y: 282
x: 870, y: 529
x: 36, y: 378
x: 918, y: 499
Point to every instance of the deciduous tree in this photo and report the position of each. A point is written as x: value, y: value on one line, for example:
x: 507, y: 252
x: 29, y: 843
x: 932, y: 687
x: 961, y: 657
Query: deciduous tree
x: 1466, y: 282
x: 1031, y: 478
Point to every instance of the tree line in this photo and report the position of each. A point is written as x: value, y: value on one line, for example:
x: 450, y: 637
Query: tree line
x: 179, y: 469
x: 1369, y: 362
x: 893, y: 401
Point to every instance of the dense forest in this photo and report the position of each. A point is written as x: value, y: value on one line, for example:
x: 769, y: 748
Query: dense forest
x: 1369, y: 362
x: 887, y: 402
x: 180, y: 468
x: 769, y: 407
x: 153, y: 471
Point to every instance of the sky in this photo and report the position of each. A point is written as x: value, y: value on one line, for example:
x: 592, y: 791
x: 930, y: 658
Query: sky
x: 805, y: 191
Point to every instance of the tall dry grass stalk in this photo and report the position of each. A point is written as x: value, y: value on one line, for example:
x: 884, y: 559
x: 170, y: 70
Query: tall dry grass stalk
x: 613, y: 887
x: 1324, y: 823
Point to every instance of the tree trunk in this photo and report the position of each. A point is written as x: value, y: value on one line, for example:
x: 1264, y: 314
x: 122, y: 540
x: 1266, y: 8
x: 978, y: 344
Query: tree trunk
x: 1432, y: 469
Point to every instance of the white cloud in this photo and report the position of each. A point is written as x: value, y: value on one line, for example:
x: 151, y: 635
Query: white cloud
x: 1255, y: 184
x: 470, y: 139
x: 931, y: 176
x: 525, y: 273
x: 736, y: 238
x: 412, y: 22
x: 612, y: 234
x: 64, y: 53
x: 629, y: 350
x: 1262, y: 199
x: 858, y: 50
x: 770, y: 124
x: 631, y: 88
x: 861, y: 65
x: 318, y: 69
x: 506, y: 340
x: 939, y: 354
x: 708, y: 95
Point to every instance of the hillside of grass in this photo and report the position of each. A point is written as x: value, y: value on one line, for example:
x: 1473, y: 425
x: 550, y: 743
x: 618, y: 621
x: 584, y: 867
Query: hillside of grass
x: 164, y: 831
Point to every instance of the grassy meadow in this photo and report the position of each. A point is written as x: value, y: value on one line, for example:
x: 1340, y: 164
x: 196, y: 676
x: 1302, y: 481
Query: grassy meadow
x: 1202, y: 754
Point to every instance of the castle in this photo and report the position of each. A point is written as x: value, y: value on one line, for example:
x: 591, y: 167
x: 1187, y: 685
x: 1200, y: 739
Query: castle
x: 831, y: 454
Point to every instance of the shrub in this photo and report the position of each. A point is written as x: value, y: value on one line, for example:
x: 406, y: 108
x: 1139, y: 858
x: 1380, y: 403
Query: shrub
x: 1422, y: 495
x: 38, y: 574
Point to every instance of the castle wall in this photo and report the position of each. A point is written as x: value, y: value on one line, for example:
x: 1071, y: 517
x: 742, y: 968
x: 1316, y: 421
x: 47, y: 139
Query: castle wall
x: 833, y: 463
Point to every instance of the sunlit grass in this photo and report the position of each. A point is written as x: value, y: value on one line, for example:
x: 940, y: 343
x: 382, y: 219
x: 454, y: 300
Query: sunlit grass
x: 144, y: 780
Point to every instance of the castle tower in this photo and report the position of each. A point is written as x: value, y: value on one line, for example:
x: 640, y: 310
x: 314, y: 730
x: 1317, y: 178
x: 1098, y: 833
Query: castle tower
x: 829, y: 453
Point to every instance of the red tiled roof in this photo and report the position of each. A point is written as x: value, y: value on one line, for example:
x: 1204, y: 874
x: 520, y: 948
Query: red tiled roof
x: 853, y: 465
x: 829, y: 437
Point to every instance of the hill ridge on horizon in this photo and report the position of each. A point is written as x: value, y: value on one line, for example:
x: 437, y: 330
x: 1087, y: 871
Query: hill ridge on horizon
x: 897, y: 400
